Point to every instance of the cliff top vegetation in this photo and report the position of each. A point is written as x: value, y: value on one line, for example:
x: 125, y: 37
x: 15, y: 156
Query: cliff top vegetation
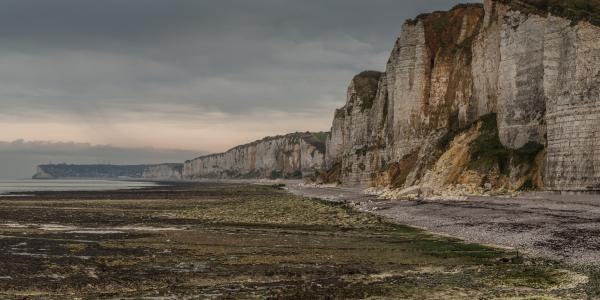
x: 449, y: 32
x: 366, y: 84
x: 575, y: 10
x: 463, y: 6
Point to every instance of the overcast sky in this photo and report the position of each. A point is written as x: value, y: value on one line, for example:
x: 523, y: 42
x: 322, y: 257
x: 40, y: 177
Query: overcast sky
x: 187, y: 74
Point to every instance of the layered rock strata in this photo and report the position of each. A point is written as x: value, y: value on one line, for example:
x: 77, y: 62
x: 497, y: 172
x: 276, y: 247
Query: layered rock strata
x: 164, y: 172
x: 290, y: 156
x: 536, y: 73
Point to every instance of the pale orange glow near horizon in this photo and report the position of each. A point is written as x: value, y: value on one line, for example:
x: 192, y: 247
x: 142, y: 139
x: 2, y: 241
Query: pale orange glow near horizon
x: 210, y: 133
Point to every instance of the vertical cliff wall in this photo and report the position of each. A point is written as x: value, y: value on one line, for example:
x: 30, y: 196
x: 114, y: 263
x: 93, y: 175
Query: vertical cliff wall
x: 425, y: 93
x: 355, y: 142
x: 536, y: 73
x: 290, y: 156
x: 164, y: 172
x: 572, y: 85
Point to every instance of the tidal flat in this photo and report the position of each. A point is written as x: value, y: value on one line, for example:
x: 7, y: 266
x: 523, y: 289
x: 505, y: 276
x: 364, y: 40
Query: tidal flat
x: 242, y: 241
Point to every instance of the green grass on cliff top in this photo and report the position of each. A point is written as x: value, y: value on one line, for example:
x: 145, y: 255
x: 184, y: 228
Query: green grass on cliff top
x: 575, y: 10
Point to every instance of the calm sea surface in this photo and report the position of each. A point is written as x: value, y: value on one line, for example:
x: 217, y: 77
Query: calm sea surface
x: 31, y: 185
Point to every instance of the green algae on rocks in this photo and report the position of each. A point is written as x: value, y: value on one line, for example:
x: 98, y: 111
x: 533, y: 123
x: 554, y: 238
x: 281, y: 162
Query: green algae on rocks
x: 208, y: 240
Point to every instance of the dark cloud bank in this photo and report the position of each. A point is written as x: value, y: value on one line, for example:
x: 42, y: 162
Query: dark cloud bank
x: 110, y: 56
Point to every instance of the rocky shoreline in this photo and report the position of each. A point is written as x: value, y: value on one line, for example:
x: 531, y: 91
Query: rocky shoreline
x: 550, y: 225
x: 189, y: 240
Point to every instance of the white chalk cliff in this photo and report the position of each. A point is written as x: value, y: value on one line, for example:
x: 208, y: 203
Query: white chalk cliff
x: 526, y: 81
x: 294, y: 155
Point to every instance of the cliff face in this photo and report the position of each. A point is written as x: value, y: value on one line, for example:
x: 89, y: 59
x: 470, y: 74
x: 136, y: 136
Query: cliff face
x: 356, y: 129
x: 151, y: 172
x: 164, y: 172
x: 291, y: 156
x: 425, y: 92
x: 531, y: 77
x: 572, y: 87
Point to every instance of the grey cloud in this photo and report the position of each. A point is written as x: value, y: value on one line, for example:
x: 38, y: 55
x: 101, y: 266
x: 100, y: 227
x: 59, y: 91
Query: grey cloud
x: 100, y: 58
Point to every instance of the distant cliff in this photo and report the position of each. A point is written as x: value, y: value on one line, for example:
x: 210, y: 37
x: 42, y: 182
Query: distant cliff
x: 163, y: 172
x: 500, y: 96
x: 295, y: 155
x: 66, y: 171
